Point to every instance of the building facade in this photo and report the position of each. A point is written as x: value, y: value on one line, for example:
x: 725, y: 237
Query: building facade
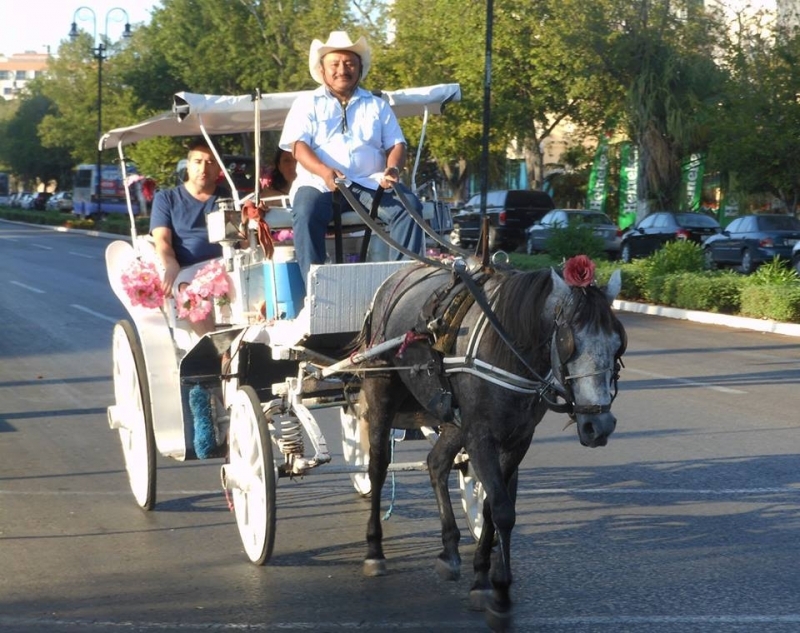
x: 17, y: 70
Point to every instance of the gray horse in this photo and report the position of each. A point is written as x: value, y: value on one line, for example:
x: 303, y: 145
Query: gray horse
x: 546, y: 344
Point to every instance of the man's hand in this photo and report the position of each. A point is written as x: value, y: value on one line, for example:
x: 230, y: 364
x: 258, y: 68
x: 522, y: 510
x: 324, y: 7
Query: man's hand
x: 171, y: 270
x: 330, y: 178
x: 391, y: 176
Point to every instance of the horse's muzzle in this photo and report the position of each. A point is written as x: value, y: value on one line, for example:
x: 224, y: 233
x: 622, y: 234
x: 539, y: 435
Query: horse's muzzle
x: 593, y: 430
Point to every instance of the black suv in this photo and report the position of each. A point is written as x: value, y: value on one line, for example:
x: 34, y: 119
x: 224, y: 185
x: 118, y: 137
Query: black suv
x: 510, y: 212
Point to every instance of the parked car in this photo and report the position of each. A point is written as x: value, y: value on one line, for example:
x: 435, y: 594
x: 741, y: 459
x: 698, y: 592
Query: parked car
x: 751, y: 240
x: 796, y: 257
x: 60, y: 201
x: 655, y: 230
x: 26, y: 200
x: 510, y: 212
x: 18, y: 198
x: 602, y: 226
x: 40, y: 199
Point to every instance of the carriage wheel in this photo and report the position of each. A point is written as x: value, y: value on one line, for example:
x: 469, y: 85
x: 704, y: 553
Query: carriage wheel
x: 133, y: 415
x: 253, y: 470
x: 472, y: 497
x: 355, y: 447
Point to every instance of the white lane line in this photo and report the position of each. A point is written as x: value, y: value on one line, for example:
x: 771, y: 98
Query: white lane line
x: 463, y: 624
x: 81, y: 255
x: 93, y: 313
x: 662, y: 491
x: 42, y: 246
x: 31, y: 288
x: 683, y: 381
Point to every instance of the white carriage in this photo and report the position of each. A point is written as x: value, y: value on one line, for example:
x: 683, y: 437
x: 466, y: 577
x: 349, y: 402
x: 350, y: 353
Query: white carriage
x: 282, y: 367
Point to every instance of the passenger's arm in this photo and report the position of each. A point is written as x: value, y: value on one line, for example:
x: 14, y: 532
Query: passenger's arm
x: 162, y: 238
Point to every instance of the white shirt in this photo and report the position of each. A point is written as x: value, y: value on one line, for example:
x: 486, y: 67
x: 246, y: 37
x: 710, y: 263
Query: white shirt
x: 353, y: 140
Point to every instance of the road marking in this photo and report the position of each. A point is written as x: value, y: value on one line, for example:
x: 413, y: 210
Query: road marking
x: 463, y: 623
x: 42, y: 246
x: 684, y: 381
x: 81, y: 255
x: 31, y: 288
x: 93, y: 313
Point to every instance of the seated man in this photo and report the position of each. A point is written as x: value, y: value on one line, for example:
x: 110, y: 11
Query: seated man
x: 344, y: 131
x: 178, y: 224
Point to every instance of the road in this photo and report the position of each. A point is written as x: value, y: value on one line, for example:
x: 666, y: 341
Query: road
x: 688, y: 521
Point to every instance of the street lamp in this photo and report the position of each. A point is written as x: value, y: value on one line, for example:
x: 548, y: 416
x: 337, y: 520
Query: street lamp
x: 99, y: 52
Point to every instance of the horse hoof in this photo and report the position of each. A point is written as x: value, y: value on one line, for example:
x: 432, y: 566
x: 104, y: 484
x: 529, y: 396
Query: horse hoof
x: 447, y: 570
x: 498, y: 622
x: 479, y: 598
x: 374, y: 567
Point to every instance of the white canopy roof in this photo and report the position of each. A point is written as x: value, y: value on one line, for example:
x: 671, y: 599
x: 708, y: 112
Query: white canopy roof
x: 232, y: 114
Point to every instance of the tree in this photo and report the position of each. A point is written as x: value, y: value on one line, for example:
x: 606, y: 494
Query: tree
x: 20, y: 145
x: 659, y: 54
x: 757, y: 134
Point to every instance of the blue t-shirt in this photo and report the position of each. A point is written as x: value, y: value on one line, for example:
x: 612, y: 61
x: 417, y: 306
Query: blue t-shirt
x: 182, y: 213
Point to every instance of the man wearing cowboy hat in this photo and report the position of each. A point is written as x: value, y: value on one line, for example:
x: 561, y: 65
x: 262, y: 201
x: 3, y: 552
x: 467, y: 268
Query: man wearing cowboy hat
x: 341, y: 130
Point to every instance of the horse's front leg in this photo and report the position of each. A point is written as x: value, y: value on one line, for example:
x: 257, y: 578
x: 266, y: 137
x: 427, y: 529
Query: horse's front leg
x: 379, y: 411
x: 492, y: 582
x: 440, y: 463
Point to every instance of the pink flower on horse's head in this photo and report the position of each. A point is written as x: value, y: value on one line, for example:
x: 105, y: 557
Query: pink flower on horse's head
x: 579, y: 271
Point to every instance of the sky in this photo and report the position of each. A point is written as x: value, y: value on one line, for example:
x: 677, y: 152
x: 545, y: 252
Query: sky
x: 33, y: 25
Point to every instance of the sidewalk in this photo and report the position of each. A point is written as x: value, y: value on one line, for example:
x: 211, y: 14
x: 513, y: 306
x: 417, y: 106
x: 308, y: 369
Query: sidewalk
x: 712, y: 318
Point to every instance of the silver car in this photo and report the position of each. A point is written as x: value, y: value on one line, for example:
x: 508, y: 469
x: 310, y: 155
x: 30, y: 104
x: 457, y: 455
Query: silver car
x: 601, y: 225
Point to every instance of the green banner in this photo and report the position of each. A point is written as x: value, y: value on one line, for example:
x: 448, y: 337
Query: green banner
x: 598, y: 179
x: 628, y: 184
x: 692, y: 182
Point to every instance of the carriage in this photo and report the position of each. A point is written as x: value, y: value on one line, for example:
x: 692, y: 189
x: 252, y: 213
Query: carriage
x: 284, y: 341
x: 469, y: 353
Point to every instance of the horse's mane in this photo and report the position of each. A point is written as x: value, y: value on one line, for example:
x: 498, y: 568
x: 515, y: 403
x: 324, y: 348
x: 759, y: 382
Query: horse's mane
x: 519, y: 305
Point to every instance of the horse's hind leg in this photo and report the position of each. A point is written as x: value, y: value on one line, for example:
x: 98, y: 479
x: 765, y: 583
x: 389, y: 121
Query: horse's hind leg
x: 440, y: 463
x: 379, y: 394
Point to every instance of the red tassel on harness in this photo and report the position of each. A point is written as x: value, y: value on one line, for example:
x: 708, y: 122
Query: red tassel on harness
x: 408, y: 340
x: 251, y: 212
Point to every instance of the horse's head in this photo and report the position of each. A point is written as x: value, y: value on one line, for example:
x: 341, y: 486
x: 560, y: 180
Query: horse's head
x: 586, y: 346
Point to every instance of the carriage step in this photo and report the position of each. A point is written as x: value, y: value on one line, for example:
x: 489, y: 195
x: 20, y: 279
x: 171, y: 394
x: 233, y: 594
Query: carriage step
x: 114, y: 417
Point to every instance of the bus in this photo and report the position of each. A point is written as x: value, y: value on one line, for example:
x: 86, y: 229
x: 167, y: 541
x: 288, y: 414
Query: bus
x: 5, y: 194
x: 112, y: 191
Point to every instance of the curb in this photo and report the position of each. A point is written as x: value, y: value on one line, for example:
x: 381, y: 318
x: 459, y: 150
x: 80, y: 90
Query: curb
x: 64, y: 229
x: 711, y: 318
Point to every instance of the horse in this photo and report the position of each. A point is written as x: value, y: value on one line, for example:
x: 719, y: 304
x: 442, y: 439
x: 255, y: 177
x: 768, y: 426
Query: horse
x: 534, y: 342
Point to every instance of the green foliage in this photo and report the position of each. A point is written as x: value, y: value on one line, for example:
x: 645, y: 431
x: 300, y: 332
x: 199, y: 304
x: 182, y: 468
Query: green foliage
x: 674, y: 257
x: 575, y: 239
x: 779, y: 302
x: 775, y: 272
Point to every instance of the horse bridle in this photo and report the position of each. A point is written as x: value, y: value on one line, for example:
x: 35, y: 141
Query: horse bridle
x: 562, y: 349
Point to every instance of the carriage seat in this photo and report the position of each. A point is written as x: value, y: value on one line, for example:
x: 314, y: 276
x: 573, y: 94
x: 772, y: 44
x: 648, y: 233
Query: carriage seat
x: 281, y: 218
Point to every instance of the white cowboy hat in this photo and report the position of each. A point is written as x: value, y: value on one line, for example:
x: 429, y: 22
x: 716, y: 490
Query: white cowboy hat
x: 338, y: 41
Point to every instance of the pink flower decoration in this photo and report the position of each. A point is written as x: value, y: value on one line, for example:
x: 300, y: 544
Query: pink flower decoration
x: 579, y: 271
x: 283, y: 235
x: 197, y: 300
x: 142, y: 284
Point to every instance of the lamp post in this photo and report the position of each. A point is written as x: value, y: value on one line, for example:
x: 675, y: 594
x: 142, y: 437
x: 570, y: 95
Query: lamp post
x: 99, y: 53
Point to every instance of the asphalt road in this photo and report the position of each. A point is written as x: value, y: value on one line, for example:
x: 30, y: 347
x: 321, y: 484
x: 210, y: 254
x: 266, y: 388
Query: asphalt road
x: 688, y: 521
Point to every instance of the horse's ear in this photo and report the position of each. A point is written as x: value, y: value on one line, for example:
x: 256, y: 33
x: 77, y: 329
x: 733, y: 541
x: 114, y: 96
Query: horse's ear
x: 560, y: 286
x: 614, y: 285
